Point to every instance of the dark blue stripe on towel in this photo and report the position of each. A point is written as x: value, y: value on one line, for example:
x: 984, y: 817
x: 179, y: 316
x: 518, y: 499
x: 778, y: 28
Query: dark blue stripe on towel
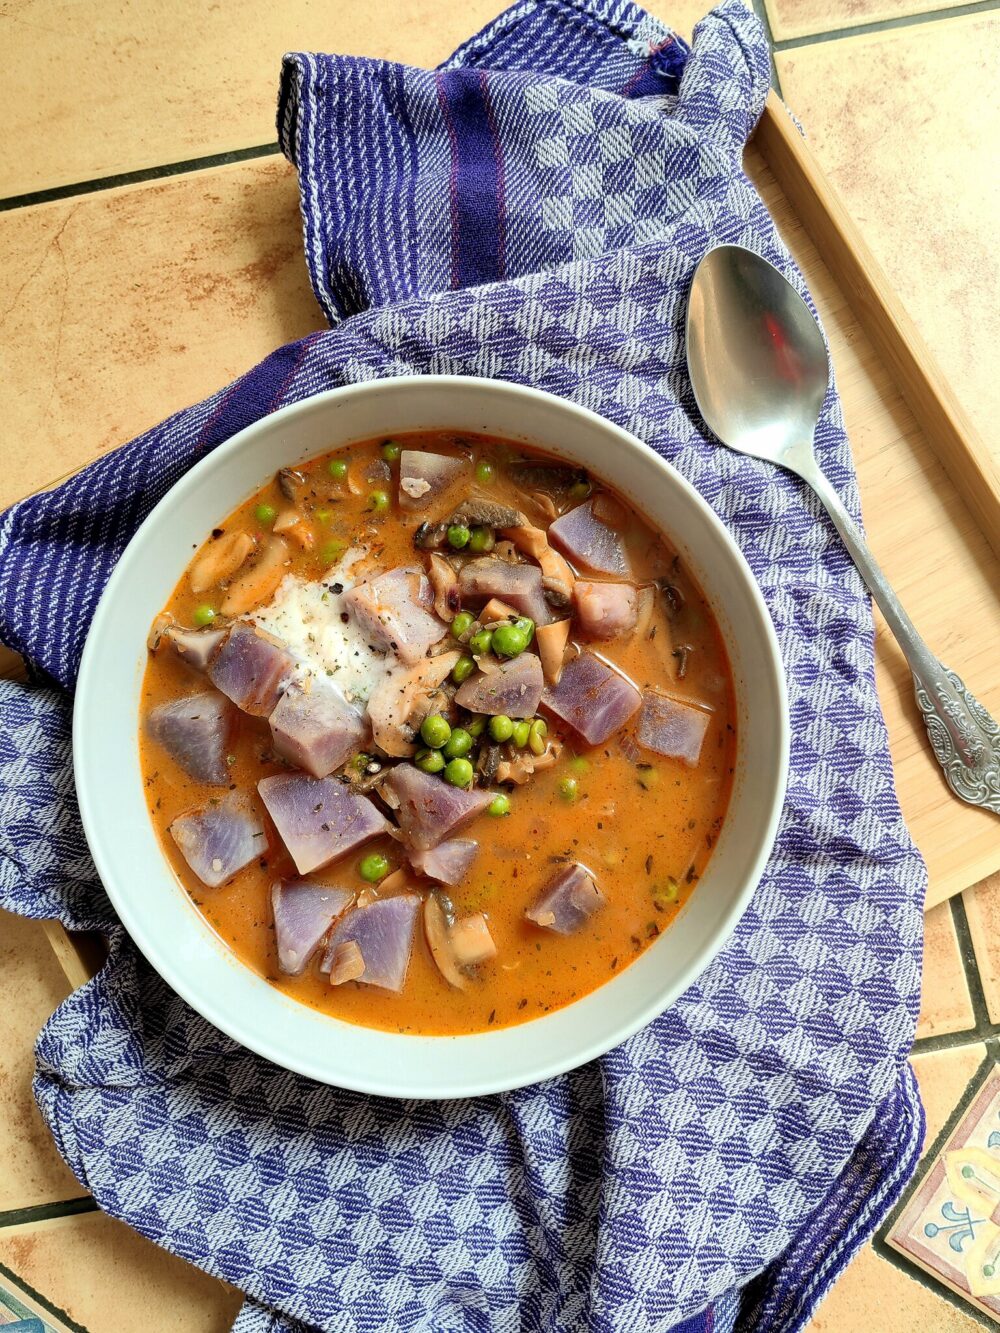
x: 475, y: 178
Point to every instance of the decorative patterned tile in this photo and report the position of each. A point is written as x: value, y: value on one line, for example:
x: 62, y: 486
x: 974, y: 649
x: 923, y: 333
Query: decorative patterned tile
x: 20, y: 1312
x: 109, y: 1279
x: 982, y: 906
x: 945, y: 1004
x: 802, y: 18
x: 31, y: 985
x: 950, y: 1224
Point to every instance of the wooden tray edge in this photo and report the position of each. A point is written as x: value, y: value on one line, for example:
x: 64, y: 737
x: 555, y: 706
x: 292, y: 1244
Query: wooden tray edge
x: 893, y: 335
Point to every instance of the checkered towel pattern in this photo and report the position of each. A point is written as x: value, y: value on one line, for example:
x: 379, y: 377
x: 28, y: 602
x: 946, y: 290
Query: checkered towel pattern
x: 559, y: 178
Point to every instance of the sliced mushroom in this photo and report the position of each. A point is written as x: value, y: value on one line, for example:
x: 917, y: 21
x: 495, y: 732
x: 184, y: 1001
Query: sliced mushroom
x: 551, y: 641
x: 291, y: 523
x: 644, y: 617
x: 221, y: 560
x: 403, y: 699
x: 260, y: 580
x: 488, y: 762
x: 437, y: 930
x: 456, y: 945
x: 478, y: 511
x: 348, y: 963
x: 444, y: 581
x: 494, y: 611
x: 158, y: 629
x: 289, y: 483
x: 557, y: 576
x: 430, y: 536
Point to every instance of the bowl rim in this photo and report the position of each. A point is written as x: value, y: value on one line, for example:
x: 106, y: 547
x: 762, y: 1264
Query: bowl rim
x: 228, y: 1020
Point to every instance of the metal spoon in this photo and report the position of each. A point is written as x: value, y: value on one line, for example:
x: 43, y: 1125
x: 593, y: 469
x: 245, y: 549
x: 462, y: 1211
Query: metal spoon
x: 759, y: 369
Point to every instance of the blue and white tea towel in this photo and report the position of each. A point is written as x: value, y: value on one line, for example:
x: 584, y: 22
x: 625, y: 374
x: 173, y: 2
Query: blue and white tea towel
x: 532, y: 211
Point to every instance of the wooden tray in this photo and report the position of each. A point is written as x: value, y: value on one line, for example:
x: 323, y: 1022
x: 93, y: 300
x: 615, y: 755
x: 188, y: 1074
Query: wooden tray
x: 931, y: 497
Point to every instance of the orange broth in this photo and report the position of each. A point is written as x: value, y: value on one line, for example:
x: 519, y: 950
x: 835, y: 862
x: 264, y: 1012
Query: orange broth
x: 644, y: 825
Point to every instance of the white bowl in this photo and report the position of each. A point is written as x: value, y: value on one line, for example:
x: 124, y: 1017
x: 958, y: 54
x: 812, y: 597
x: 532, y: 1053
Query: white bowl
x: 161, y: 918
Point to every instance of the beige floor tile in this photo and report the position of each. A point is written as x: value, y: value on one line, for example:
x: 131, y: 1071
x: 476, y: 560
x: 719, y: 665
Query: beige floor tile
x: 31, y: 986
x: 943, y: 1077
x: 982, y: 905
x: 111, y: 1280
x: 144, y: 84
x: 945, y: 1005
x: 920, y: 175
x: 802, y: 18
x: 130, y: 304
x: 873, y: 1294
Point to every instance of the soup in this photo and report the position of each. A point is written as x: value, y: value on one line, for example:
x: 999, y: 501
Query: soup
x: 437, y: 733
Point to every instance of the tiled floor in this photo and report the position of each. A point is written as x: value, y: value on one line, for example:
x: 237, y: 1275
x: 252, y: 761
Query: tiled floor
x: 901, y: 107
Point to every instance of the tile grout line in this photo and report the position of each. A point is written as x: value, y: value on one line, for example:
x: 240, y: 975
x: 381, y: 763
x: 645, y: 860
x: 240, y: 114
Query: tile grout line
x: 882, y: 25
x: 760, y: 9
x: 46, y: 1212
x: 970, y: 964
x: 138, y: 177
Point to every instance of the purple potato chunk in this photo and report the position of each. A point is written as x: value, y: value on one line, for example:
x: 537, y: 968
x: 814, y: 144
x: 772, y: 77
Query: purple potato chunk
x: 196, y: 731
x: 316, y: 729
x: 590, y: 544
x: 382, y: 934
x: 567, y: 901
x: 252, y: 669
x: 220, y: 839
x: 448, y: 862
x: 592, y: 698
x: 424, y: 478
x: 303, y: 913
x: 430, y: 809
x: 395, y: 610
x: 318, y: 819
x: 672, y: 727
x: 514, y: 688
x: 520, y: 586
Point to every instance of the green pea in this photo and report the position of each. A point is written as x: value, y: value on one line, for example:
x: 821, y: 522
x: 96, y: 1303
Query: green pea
x: 330, y: 552
x: 476, y: 726
x: 390, y: 451
x: 458, y: 536
x: 434, y: 731
x: 522, y: 730
x: 481, y: 642
x: 526, y: 625
x: 458, y: 744
x: 463, y: 669
x: 378, y: 502
x: 459, y: 773
x: 578, y: 764
x: 265, y: 513
x: 204, y: 615
x: 337, y: 468
x: 373, y: 867
x: 536, y: 736
x: 501, y: 728
x: 322, y: 515
x: 429, y: 761
x: 500, y: 805
x: 484, y: 471
x: 568, y: 789
x: 482, y: 539
x: 462, y: 623
x: 509, y: 641
x: 580, y: 490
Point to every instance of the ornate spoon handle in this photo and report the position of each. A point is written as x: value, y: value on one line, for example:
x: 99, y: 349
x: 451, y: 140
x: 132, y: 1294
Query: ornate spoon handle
x: 965, y: 738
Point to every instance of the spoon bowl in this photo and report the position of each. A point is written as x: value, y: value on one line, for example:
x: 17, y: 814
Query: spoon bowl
x: 760, y: 370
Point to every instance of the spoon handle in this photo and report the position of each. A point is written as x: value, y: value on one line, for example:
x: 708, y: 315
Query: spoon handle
x: 965, y: 738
